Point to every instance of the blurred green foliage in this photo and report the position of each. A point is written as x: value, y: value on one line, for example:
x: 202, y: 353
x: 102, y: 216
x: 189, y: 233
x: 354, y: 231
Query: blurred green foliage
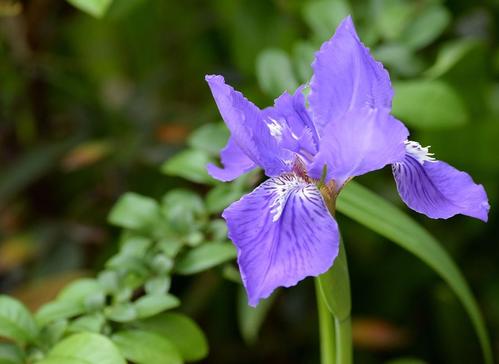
x: 93, y: 107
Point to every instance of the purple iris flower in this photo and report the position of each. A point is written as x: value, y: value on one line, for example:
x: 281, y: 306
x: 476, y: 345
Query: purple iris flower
x: 310, y: 147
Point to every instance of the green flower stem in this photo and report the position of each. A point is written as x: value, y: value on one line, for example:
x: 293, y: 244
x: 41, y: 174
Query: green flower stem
x: 326, y: 328
x: 334, y: 293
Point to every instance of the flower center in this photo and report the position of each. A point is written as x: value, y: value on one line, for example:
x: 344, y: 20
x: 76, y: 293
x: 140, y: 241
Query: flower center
x: 421, y: 154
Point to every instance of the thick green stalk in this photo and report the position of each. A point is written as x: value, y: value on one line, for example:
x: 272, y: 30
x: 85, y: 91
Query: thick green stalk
x: 343, y: 332
x: 326, y: 329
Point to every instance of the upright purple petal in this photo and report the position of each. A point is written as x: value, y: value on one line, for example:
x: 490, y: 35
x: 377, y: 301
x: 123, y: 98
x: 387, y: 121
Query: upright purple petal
x: 346, y: 77
x: 235, y: 163
x: 361, y: 141
x: 283, y: 233
x: 248, y: 130
x: 437, y: 189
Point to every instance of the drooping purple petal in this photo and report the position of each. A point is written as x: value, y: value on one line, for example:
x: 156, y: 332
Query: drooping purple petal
x: 361, y: 141
x: 439, y: 190
x: 248, y: 130
x: 346, y: 77
x: 283, y: 233
x: 235, y: 163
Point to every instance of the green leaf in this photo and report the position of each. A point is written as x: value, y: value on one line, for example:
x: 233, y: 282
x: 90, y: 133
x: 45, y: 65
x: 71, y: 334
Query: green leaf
x: 324, y: 16
x: 16, y: 322
x: 183, y: 209
x: 151, y: 305
x: 428, y: 105
x: 57, y: 310
x: 189, y: 164
x: 392, y: 17
x: 204, y: 257
x: 91, y: 323
x: 124, y: 312
x: 79, y: 290
x: 209, y: 138
x: 382, y: 217
x: 222, y: 196
x: 274, y: 72
x: 134, y: 211
x: 11, y: 354
x: 399, y: 58
x: 426, y: 26
x: 158, y: 285
x: 250, y: 319
x: 335, y: 287
x: 95, y: 8
x: 144, y: 347
x: 303, y: 55
x: 451, y: 54
x: 84, y: 348
x: 135, y: 246
x: 181, y: 331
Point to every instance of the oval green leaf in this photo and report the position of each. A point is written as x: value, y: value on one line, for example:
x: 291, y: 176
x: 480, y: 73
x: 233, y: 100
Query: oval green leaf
x: 204, y: 257
x: 11, y: 354
x: 367, y: 208
x: 144, y: 347
x: 181, y: 331
x: 84, y: 348
x: 96, y: 8
x: 274, y: 72
x: 151, y: 305
x: 16, y: 322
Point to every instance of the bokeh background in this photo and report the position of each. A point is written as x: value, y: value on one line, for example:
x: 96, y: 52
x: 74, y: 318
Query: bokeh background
x: 91, y: 108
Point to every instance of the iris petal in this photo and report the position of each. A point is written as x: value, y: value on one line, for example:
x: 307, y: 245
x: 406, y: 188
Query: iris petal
x: 346, y: 77
x: 439, y: 190
x: 235, y: 163
x: 363, y: 140
x: 283, y: 233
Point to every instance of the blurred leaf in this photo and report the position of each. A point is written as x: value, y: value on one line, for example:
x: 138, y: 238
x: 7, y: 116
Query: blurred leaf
x: 11, y: 354
x: 151, y: 305
x: 204, y: 257
x: 450, y: 54
x: 275, y: 73
x: 303, y: 55
x: 144, y: 347
x: 183, y: 210
x: 169, y: 246
x: 426, y: 26
x: 135, y: 246
x: 181, y: 331
x: 210, y: 138
x: 57, y: 310
x: 323, y: 16
x: 398, y: 58
x: 134, y: 211
x: 91, y: 323
x: 95, y: 8
x: 158, y: 285
x: 428, y: 105
x: 392, y: 17
x: 222, y: 196
x: 16, y: 322
x: 79, y: 290
x: 83, y: 348
x: 382, y: 217
x: 189, y: 164
x: 124, y: 312
x: 406, y: 361
x: 250, y: 319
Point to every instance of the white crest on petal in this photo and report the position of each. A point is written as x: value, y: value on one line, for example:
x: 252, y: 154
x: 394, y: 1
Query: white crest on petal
x: 275, y: 128
x: 418, y: 152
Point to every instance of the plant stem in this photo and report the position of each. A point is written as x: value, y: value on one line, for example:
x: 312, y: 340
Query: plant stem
x: 326, y: 329
x: 343, y: 332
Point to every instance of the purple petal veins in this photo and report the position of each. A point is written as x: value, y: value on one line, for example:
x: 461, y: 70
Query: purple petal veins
x: 437, y: 189
x: 283, y: 233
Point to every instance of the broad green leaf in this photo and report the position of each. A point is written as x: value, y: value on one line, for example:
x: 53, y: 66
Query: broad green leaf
x: 335, y: 287
x: 151, y: 305
x: 303, y: 55
x: 84, y: 348
x: 181, y: 331
x: 11, y: 354
x: 135, y: 246
x: 426, y: 104
x: 275, y: 73
x: 158, y: 285
x: 189, y: 164
x: 323, y: 16
x: 222, y: 196
x: 250, y: 319
x: 183, y: 209
x: 452, y: 53
x: 88, y: 323
x: 392, y: 17
x: 210, y: 138
x: 124, y: 312
x: 57, y: 310
x: 16, y: 322
x: 134, y: 211
x: 79, y: 290
x: 426, y: 26
x: 144, y: 347
x: 95, y: 8
x: 382, y: 217
x: 399, y: 58
x: 204, y: 257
